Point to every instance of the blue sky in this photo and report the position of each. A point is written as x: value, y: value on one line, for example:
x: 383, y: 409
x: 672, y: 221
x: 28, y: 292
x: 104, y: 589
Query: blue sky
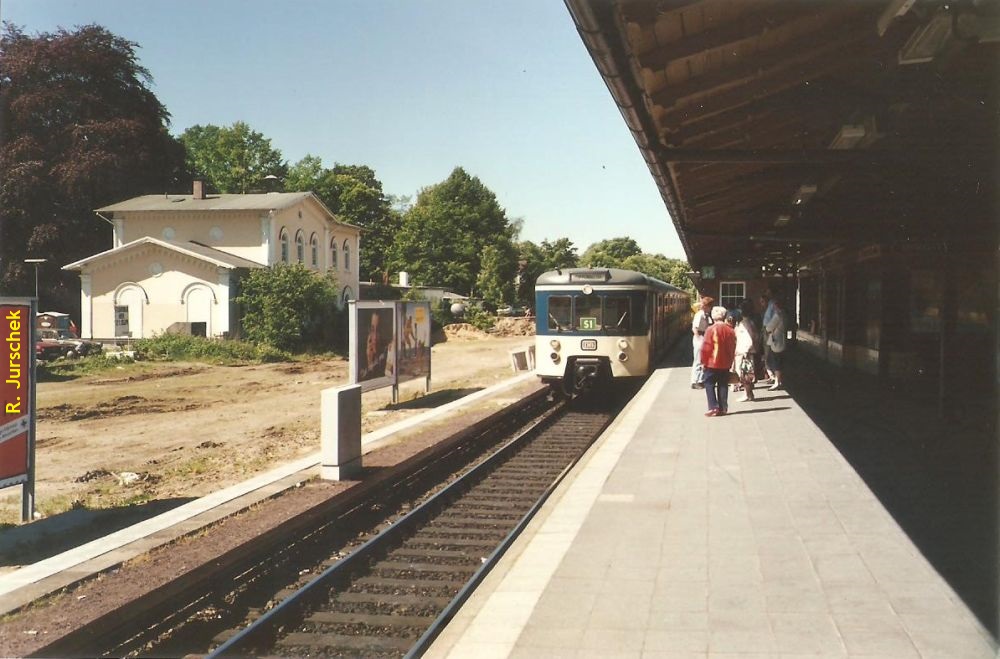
x: 412, y: 89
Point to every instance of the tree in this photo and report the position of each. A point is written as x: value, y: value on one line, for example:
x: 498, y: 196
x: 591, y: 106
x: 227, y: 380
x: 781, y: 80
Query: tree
x: 534, y: 259
x: 610, y: 253
x: 495, y: 283
x: 232, y: 159
x: 355, y: 196
x: 559, y: 254
x: 288, y: 306
x: 79, y: 129
x: 443, y: 236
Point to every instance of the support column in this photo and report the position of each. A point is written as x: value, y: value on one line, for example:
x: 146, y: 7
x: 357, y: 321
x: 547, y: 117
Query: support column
x: 340, y: 432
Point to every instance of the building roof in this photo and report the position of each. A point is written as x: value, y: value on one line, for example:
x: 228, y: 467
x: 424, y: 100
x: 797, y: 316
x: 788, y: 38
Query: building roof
x: 777, y: 130
x: 215, y: 202
x: 196, y: 250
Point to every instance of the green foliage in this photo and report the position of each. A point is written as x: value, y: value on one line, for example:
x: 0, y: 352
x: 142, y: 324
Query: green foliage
x: 181, y: 347
x: 672, y: 271
x: 355, y: 196
x: 495, y: 283
x: 288, y: 306
x: 65, y: 369
x: 609, y: 253
x: 441, y: 315
x: 232, y: 159
x: 79, y: 129
x: 535, y: 259
x: 479, y: 318
x: 443, y: 236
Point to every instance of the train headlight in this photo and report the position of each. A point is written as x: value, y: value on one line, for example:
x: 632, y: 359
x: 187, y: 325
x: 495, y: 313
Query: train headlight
x: 622, y: 357
x: 622, y: 344
x: 555, y: 357
x: 555, y: 344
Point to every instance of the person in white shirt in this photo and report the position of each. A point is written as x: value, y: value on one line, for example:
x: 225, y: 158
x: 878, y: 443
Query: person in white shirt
x: 775, y: 329
x: 699, y: 325
x: 746, y: 342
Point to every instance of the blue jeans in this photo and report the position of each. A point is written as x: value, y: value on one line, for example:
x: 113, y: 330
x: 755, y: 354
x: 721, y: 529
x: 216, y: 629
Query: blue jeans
x: 717, y: 388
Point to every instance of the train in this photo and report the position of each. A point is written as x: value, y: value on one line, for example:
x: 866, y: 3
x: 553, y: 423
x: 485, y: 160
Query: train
x: 596, y: 326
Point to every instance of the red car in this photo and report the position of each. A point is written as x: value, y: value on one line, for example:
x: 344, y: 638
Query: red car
x: 53, y: 343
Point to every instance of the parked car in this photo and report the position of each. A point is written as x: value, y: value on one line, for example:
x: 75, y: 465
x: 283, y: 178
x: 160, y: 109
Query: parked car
x: 47, y: 350
x: 507, y: 310
x: 54, y: 343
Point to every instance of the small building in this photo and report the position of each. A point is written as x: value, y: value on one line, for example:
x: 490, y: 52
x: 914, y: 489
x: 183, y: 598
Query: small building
x: 176, y: 260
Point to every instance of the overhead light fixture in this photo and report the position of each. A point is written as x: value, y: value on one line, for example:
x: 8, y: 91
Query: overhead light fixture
x: 804, y: 194
x: 782, y: 220
x: 848, y: 137
x: 895, y: 9
x: 927, y: 41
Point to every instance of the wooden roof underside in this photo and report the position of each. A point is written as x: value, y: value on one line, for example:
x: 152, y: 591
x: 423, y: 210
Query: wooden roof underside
x: 736, y: 104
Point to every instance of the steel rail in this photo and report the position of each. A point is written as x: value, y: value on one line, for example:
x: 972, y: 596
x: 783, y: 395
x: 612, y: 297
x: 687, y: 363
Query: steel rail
x: 264, y: 628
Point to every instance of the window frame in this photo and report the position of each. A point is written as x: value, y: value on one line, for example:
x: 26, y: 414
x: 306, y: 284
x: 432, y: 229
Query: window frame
x: 285, y: 252
x: 723, y: 297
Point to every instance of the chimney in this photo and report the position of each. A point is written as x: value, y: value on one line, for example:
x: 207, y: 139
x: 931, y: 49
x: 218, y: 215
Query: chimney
x: 404, y: 279
x: 199, y: 189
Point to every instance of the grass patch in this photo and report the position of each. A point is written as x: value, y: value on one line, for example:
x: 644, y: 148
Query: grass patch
x: 178, y: 347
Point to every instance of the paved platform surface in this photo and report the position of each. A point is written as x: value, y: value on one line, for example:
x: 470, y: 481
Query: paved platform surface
x: 752, y: 535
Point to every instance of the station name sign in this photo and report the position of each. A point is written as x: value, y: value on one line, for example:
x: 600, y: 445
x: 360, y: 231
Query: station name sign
x: 17, y: 391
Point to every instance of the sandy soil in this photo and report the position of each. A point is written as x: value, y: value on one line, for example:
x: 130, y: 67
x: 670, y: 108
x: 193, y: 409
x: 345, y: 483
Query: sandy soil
x: 160, y: 431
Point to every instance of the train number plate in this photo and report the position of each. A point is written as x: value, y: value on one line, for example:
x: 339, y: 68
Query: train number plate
x: 588, y: 344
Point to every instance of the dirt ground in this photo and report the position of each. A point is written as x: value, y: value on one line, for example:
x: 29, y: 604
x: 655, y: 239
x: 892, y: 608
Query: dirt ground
x: 149, y: 432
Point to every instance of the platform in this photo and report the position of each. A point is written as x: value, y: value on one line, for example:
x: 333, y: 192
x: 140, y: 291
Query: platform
x: 754, y: 535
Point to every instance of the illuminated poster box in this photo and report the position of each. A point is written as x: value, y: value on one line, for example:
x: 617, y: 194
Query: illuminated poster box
x: 390, y: 342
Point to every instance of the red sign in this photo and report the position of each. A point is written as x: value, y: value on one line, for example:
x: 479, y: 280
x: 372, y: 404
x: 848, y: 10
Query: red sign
x: 15, y: 392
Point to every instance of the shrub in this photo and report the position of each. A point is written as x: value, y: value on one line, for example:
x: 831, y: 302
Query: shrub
x: 479, y: 319
x: 288, y: 306
x: 171, y: 347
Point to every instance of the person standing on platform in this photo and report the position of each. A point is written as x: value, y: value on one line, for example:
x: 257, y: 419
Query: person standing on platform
x: 746, y: 349
x: 699, y: 325
x: 717, y: 353
x: 767, y: 311
x: 775, y: 329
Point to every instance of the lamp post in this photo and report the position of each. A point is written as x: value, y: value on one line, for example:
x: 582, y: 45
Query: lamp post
x: 36, y: 263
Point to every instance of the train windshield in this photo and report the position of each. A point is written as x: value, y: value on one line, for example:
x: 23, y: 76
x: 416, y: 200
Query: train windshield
x: 611, y: 314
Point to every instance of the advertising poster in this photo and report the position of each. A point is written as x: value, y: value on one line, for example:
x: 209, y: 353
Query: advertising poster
x: 414, y: 332
x: 373, y: 344
x: 17, y: 396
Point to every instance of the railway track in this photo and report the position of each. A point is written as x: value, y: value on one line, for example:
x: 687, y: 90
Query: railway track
x: 208, y: 606
x: 392, y: 596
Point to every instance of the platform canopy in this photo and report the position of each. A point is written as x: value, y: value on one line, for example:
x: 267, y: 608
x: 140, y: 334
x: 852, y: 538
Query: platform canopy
x: 780, y: 130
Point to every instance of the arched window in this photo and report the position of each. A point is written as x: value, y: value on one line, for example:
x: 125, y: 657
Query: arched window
x: 334, y: 248
x: 314, y: 250
x: 347, y: 256
x: 283, y: 237
x: 300, y: 247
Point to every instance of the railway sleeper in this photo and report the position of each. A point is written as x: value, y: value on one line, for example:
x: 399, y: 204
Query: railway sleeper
x: 372, y: 620
x: 326, y: 642
x: 393, y: 601
x: 402, y: 582
x: 424, y: 568
x: 403, y: 552
x: 490, y: 499
x: 457, y: 537
x: 452, y: 524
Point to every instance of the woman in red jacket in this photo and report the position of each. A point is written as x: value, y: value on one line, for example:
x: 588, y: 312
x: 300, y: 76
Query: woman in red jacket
x: 717, y: 354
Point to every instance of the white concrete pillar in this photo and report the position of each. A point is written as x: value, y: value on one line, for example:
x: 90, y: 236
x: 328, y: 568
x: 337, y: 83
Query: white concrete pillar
x: 86, y: 308
x: 340, y: 432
